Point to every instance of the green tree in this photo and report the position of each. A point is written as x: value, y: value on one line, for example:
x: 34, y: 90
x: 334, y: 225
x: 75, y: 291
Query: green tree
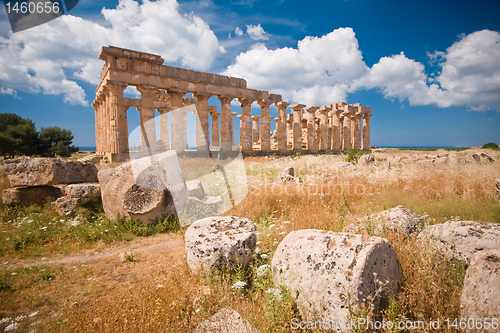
x: 56, y: 141
x: 490, y: 145
x: 18, y: 136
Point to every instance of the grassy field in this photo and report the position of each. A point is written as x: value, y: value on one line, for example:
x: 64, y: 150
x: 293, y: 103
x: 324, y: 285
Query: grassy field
x: 65, y: 274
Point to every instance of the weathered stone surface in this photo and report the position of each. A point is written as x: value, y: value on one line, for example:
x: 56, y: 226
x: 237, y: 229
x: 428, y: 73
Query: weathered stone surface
x: 481, y: 291
x: 497, y: 189
x: 287, y: 175
x: 67, y: 204
x: 143, y: 189
x: 327, y: 269
x: 366, y: 159
x: 225, y: 321
x: 43, y: 171
x: 482, y: 157
x: 462, y: 239
x: 32, y: 195
x: 220, y: 242
x: 398, y: 219
x: 195, y: 189
x: 86, y: 190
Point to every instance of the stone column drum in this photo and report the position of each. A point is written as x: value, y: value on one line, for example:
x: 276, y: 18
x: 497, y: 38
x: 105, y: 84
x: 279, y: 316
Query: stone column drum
x: 265, y: 125
x: 246, y: 124
x: 225, y: 118
x: 202, y: 134
x: 311, y: 122
x: 148, y: 129
x: 256, y: 138
x: 177, y: 102
x: 215, y: 125
x: 346, y: 143
x: 297, y: 125
x: 281, y: 125
x: 366, y: 131
x: 323, y: 127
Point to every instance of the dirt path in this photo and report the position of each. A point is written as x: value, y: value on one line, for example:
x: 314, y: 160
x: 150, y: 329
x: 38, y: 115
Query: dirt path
x: 144, y: 249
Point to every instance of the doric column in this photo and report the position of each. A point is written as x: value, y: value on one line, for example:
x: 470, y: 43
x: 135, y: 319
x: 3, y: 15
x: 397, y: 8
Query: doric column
x: 265, y: 125
x: 336, y: 130
x: 164, y: 142
x: 323, y: 127
x: 106, y: 121
x: 330, y: 134
x: 225, y: 122
x: 147, y: 111
x: 215, y: 125
x: 289, y: 122
x: 178, y: 134
x: 346, y: 142
x: 311, y: 122
x: 256, y: 138
x: 231, y: 127
x: 118, y: 134
x: 297, y: 125
x: 356, y: 130
x: 202, y: 134
x: 366, y: 131
x: 281, y: 125
x: 99, y: 106
x: 246, y: 124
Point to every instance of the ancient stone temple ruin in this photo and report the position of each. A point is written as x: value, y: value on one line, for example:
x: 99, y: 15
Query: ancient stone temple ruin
x: 329, y: 127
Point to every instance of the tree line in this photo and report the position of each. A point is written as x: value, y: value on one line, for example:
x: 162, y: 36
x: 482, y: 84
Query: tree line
x: 18, y: 136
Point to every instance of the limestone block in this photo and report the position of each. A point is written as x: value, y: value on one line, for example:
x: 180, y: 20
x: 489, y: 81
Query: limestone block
x: 85, y: 190
x: 398, y: 219
x: 32, y: 195
x: 366, y: 159
x: 195, y: 189
x: 287, y: 175
x: 67, y: 204
x: 481, y: 291
x: 462, y: 239
x: 327, y: 270
x: 482, y: 157
x: 220, y: 242
x: 43, y: 171
x: 225, y: 321
x: 143, y: 189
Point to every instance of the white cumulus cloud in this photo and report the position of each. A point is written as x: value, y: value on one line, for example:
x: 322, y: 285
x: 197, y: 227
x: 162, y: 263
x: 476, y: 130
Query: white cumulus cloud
x: 50, y: 58
x: 256, y: 32
x: 319, y: 70
x: 326, y: 69
x: 238, y: 31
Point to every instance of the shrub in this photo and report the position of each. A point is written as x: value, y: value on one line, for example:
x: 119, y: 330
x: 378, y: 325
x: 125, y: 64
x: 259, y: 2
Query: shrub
x: 490, y: 145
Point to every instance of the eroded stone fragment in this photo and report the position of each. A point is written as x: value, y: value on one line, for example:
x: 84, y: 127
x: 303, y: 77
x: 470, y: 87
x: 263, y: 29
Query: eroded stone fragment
x: 221, y: 241
x: 42, y: 171
x: 481, y: 292
x: 327, y: 271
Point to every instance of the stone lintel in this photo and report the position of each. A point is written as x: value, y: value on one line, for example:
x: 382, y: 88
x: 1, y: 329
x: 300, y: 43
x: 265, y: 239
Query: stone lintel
x: 129, y: 54
x: 298, y: 106
x: 312, y: 109
x: 131, y: 102
x: 282, y: 104
x: 189, y: 101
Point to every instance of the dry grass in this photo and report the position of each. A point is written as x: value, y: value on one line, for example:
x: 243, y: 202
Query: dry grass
x: 157, y: 292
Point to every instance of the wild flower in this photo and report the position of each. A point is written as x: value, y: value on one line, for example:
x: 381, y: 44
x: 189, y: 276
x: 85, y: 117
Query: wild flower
x: 239, y: 285
x: 264, y: 256
x: 5, y: 320
x: 262, y: 270
x: 11, y: 327
x: 31, y: 315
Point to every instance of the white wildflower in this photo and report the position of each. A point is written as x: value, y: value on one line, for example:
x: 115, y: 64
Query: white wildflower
x: 31, y: 315
x: 19, y: 318
x: 5, y: 320
x: 11, y: 327
x: 262, y: 270
x: 43, y: 228
x: 264, y: 256
x: 239, y: 285
x: 282, y: 233
x: 257, y: 250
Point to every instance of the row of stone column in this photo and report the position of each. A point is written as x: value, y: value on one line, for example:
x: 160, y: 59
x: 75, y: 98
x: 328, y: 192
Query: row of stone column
x: 329, y: 127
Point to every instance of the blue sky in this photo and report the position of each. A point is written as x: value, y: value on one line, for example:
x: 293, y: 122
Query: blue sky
x: 430, y: 70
